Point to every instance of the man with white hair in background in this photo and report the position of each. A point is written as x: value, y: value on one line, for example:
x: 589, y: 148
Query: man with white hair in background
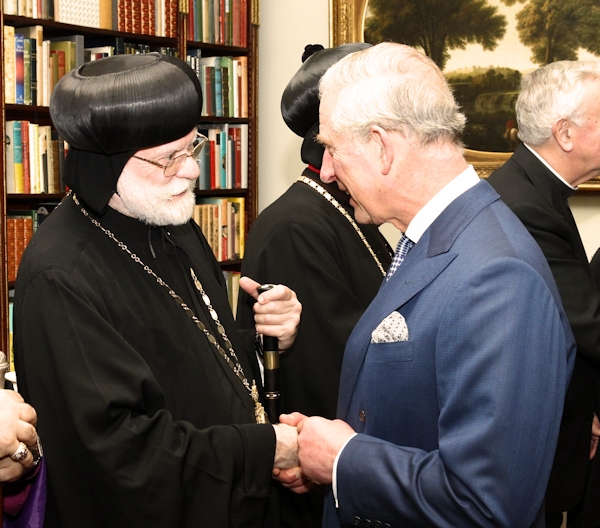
x: 558, y: 115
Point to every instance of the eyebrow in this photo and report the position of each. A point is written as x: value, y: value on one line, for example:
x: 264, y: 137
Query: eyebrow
x: 320, y: 139
x: 172, y: 152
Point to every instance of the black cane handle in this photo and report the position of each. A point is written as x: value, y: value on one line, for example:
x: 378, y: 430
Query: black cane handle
x: 272, y: 373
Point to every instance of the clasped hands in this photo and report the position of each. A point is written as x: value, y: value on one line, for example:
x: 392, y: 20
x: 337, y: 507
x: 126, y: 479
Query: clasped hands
x: 17, y: 424
x: 306, y: 450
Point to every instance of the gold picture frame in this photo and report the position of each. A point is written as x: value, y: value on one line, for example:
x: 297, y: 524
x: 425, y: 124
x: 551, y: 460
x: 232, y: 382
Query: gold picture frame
x: 346, y: 24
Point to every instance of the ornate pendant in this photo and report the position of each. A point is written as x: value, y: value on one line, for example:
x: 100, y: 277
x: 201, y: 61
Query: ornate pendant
x: 259, y: 411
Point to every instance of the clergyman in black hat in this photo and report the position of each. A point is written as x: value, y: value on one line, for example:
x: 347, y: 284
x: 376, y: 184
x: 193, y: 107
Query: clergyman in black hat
x: 124, y: 339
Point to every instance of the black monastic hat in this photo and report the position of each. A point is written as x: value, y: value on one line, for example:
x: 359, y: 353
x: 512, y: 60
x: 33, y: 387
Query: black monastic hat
x: 300, y: 100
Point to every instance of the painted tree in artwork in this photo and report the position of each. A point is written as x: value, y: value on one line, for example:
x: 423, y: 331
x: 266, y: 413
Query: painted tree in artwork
x: 556, y: 29
x: 436, y: 26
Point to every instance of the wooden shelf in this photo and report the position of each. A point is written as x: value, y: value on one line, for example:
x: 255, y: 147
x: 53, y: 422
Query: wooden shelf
x: 41, y: 115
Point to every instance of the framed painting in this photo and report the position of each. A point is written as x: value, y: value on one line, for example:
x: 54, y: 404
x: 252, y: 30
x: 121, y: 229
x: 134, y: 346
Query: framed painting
x: 483, y: 63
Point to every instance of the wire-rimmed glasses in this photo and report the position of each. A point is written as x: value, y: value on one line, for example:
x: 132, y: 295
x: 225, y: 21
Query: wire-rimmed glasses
x: 173, y: 165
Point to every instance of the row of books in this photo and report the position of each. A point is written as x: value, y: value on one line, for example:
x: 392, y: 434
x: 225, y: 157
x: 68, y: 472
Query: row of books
x: 33, y: 65
x: 145, y: 17
x: 224, y: 82
x: 35, y: 154
x: 222, y: 221
x: 34, y: 158
x: 221, y: 22
x: 20, y: 226
x: 218, y: 22
x: 224, y: 159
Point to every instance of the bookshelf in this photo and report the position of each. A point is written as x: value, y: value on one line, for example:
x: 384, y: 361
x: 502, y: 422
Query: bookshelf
x: 183, y: 39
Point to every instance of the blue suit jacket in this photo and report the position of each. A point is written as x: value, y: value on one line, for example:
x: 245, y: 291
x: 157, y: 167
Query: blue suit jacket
x: 458, y: 424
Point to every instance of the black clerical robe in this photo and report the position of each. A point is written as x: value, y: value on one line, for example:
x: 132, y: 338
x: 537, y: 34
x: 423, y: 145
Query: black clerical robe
x: 142, y: 421
x: 304, y: 242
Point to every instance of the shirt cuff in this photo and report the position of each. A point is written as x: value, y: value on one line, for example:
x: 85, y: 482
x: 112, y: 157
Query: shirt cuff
x: 334, y: 475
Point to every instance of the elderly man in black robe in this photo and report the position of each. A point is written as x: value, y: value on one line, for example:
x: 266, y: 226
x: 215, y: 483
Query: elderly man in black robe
x: 124, y: 339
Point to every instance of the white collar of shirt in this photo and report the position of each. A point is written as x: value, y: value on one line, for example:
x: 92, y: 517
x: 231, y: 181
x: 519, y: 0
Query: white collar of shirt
x: 434, y: 207
x: 549, y: 168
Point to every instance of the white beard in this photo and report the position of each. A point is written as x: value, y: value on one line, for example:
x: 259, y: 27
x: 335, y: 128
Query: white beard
x: 157, y: 206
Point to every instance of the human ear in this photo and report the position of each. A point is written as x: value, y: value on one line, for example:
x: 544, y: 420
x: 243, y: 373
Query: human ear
x: 383, y: 142
x: 563, y: 134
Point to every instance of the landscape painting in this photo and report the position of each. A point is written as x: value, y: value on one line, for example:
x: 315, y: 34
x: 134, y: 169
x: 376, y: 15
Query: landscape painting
x: 484, y: 47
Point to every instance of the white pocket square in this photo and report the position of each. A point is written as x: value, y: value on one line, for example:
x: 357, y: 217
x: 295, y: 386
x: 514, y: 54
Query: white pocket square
x: 393, y: 328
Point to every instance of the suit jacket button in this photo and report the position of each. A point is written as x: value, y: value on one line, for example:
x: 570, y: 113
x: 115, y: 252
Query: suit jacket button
x: 362, y: 416
x: 356, y: 521
x: 367, y: 523
x: 377, y: 524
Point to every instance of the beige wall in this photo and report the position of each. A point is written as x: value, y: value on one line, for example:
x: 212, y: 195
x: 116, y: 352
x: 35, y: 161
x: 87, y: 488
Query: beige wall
x: 286, y: 26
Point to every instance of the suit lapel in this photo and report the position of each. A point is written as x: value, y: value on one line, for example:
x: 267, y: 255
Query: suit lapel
x: 423, y: 264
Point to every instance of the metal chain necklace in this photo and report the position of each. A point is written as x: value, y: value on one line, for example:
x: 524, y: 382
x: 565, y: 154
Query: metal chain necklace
x: 325, y: 194
x: 229, y: 356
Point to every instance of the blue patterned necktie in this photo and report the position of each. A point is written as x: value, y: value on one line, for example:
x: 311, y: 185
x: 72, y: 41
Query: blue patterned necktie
x: 404, y: 246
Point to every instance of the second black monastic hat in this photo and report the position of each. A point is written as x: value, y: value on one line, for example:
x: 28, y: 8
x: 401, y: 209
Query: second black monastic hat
x: 300, y: 100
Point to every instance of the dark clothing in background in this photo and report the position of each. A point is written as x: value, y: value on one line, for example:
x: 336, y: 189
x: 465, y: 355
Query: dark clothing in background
x: 539, y: 199
x: 304, y: 242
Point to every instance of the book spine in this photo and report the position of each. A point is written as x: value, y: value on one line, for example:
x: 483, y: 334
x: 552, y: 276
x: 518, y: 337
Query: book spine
x: 18, y: 156
x: 151, y: 17
x: 106, y: 14
x: 244, y: 160
x: 223, y: 158
x: 10, y: 157
x: 27, y: 71
x: 56, y: 160
x: 11, y: 240
x: 26, y: 160
x: 43, y: 157
x: 47, y: 85
x: 33, y: 71
x: 34, y: 162
x: 10, y: 96
x: 19, y: 69
x: 136, y: 16
x: 10, y: 7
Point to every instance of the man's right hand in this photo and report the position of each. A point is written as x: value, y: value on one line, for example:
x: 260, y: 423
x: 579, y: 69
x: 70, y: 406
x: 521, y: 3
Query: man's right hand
x: 17, y: 424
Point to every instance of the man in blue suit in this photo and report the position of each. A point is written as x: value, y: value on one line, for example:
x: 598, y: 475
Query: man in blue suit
x: 453, y: 381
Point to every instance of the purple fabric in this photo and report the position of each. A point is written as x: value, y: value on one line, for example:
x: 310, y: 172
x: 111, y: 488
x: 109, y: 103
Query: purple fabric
x: 32, y: 513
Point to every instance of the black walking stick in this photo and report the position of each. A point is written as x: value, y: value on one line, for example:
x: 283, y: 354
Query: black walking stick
x: 271, y: 366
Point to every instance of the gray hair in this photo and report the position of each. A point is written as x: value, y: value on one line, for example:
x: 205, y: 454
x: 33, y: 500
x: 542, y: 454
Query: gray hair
x: 397, y: 88
x: 550, y: 93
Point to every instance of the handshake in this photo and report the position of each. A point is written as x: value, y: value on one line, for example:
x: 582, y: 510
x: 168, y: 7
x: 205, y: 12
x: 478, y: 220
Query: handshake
x: 306, y: 450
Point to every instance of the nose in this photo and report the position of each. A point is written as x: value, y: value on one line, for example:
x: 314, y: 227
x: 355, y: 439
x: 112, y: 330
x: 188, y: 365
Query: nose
x: 190, y: 169
x: 327, y: 173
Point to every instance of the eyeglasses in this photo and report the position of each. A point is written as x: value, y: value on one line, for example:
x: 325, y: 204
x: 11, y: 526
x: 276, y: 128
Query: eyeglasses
x: 173, y: 166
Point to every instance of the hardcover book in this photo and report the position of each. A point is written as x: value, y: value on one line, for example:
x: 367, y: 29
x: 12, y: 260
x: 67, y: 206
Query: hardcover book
x: 18, y: 156
x: 36, y: 35
x: 19, y: 69
x: 78, y: 12
x: 27, y: 71
x: 10, y: 157
x: 10, y: 96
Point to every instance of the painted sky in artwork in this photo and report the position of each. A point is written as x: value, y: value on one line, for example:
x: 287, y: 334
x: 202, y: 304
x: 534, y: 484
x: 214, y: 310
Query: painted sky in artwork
x: 510, y: 52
